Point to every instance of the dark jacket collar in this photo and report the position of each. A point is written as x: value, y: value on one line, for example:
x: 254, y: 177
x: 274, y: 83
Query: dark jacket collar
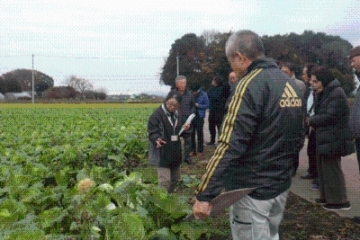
x: 333, y: 84
x: 262, y: 63
x: 327, y: 90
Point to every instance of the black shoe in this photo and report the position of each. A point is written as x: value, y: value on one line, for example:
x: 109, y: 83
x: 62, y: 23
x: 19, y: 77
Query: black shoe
x: 341, y: 206
x: 320, y: 201
x: 356, y: 219
x: 308, y: 176
x: 188, y: 161
x: 210, y: 143
x: 314, y: 187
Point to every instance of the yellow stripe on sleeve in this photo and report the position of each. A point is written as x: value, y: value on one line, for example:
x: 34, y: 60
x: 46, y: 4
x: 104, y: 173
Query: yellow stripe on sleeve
x: 226, y: 129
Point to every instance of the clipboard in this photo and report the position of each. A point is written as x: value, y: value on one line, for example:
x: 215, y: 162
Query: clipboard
x: 188, y: 121
x: 224, y: 200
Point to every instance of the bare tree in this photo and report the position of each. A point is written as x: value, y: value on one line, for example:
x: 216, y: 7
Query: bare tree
x: 102, y: 90
x: 80, y: 84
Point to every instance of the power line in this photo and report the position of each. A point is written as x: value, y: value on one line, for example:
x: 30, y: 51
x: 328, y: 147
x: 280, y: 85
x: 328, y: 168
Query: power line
x: 83, y: 57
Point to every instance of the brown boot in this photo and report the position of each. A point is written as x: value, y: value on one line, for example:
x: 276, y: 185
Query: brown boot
x: 200, y: 155
x: 192, y: 154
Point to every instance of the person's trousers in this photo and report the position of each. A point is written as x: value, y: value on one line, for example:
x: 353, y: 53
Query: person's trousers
x: 357, y: 147
x: 311, y: 152
x: 215, y: 119
x: 257, y: 219
x: 331, y: 179
x: 168, y: 178
x: 198, y: 131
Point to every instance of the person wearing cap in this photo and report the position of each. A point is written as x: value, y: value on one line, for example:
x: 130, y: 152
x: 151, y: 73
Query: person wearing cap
x: 354, y: 58
x: 201, y: 104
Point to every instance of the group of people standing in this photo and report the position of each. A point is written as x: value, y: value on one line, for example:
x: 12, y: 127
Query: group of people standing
x: 268, y: 113
x: 330, y: 128
x: 165, y: 124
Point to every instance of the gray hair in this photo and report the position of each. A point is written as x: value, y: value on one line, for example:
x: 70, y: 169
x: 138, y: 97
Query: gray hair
x: 180, y: 77
x: 247, y: 43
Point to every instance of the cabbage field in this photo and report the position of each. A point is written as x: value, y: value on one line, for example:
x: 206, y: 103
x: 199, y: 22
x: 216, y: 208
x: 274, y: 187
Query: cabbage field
x: 70, y: 172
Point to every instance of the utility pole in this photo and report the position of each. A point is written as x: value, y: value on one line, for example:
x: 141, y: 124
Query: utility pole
x: 177, y: 65
x: 32, y: 80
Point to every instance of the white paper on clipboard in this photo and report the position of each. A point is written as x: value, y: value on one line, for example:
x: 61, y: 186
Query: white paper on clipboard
x: 188, y: 121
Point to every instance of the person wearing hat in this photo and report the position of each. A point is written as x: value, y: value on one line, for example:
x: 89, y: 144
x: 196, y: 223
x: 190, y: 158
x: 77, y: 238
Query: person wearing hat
x: 201, y: 104
x: 354, y: 58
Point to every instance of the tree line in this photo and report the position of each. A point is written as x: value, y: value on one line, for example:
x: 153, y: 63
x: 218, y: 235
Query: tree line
x: 20, y: 80
x: 202, y: 57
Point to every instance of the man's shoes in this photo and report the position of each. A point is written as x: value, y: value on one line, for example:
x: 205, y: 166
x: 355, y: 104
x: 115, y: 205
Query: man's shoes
x: 314, y: 187
x: 341, y: 206
x: 192, y: 154
x: 356, y: 219
x: 200, y: 155
x: 210, y: 143
x: 308, y: 176
x: 320, y: 201
x: 188, y: 161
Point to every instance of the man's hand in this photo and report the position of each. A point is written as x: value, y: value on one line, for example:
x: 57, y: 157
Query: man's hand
x: 201, y: 210
x: 186, y: 127
x: 160, y: 142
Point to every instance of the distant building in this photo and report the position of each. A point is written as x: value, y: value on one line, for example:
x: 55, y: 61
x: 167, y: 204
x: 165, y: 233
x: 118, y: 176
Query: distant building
x: 121, y: 97
x: 16, y: 96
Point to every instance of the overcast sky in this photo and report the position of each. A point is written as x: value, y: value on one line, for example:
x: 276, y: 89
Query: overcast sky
x: 122, y: 45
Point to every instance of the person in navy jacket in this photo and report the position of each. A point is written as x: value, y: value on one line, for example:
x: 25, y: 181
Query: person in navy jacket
x: 201, y: 104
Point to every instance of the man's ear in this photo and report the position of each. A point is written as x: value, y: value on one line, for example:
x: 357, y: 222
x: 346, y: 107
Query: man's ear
x: 241, y: 57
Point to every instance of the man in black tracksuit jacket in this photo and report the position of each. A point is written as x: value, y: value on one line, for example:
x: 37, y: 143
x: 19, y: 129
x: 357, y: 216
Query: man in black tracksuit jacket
x: 261, y: 135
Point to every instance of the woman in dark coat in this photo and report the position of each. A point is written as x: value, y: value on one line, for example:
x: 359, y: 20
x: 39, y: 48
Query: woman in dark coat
x: 165, y: 147
x: 331, y: 130
x: 217, y: 100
